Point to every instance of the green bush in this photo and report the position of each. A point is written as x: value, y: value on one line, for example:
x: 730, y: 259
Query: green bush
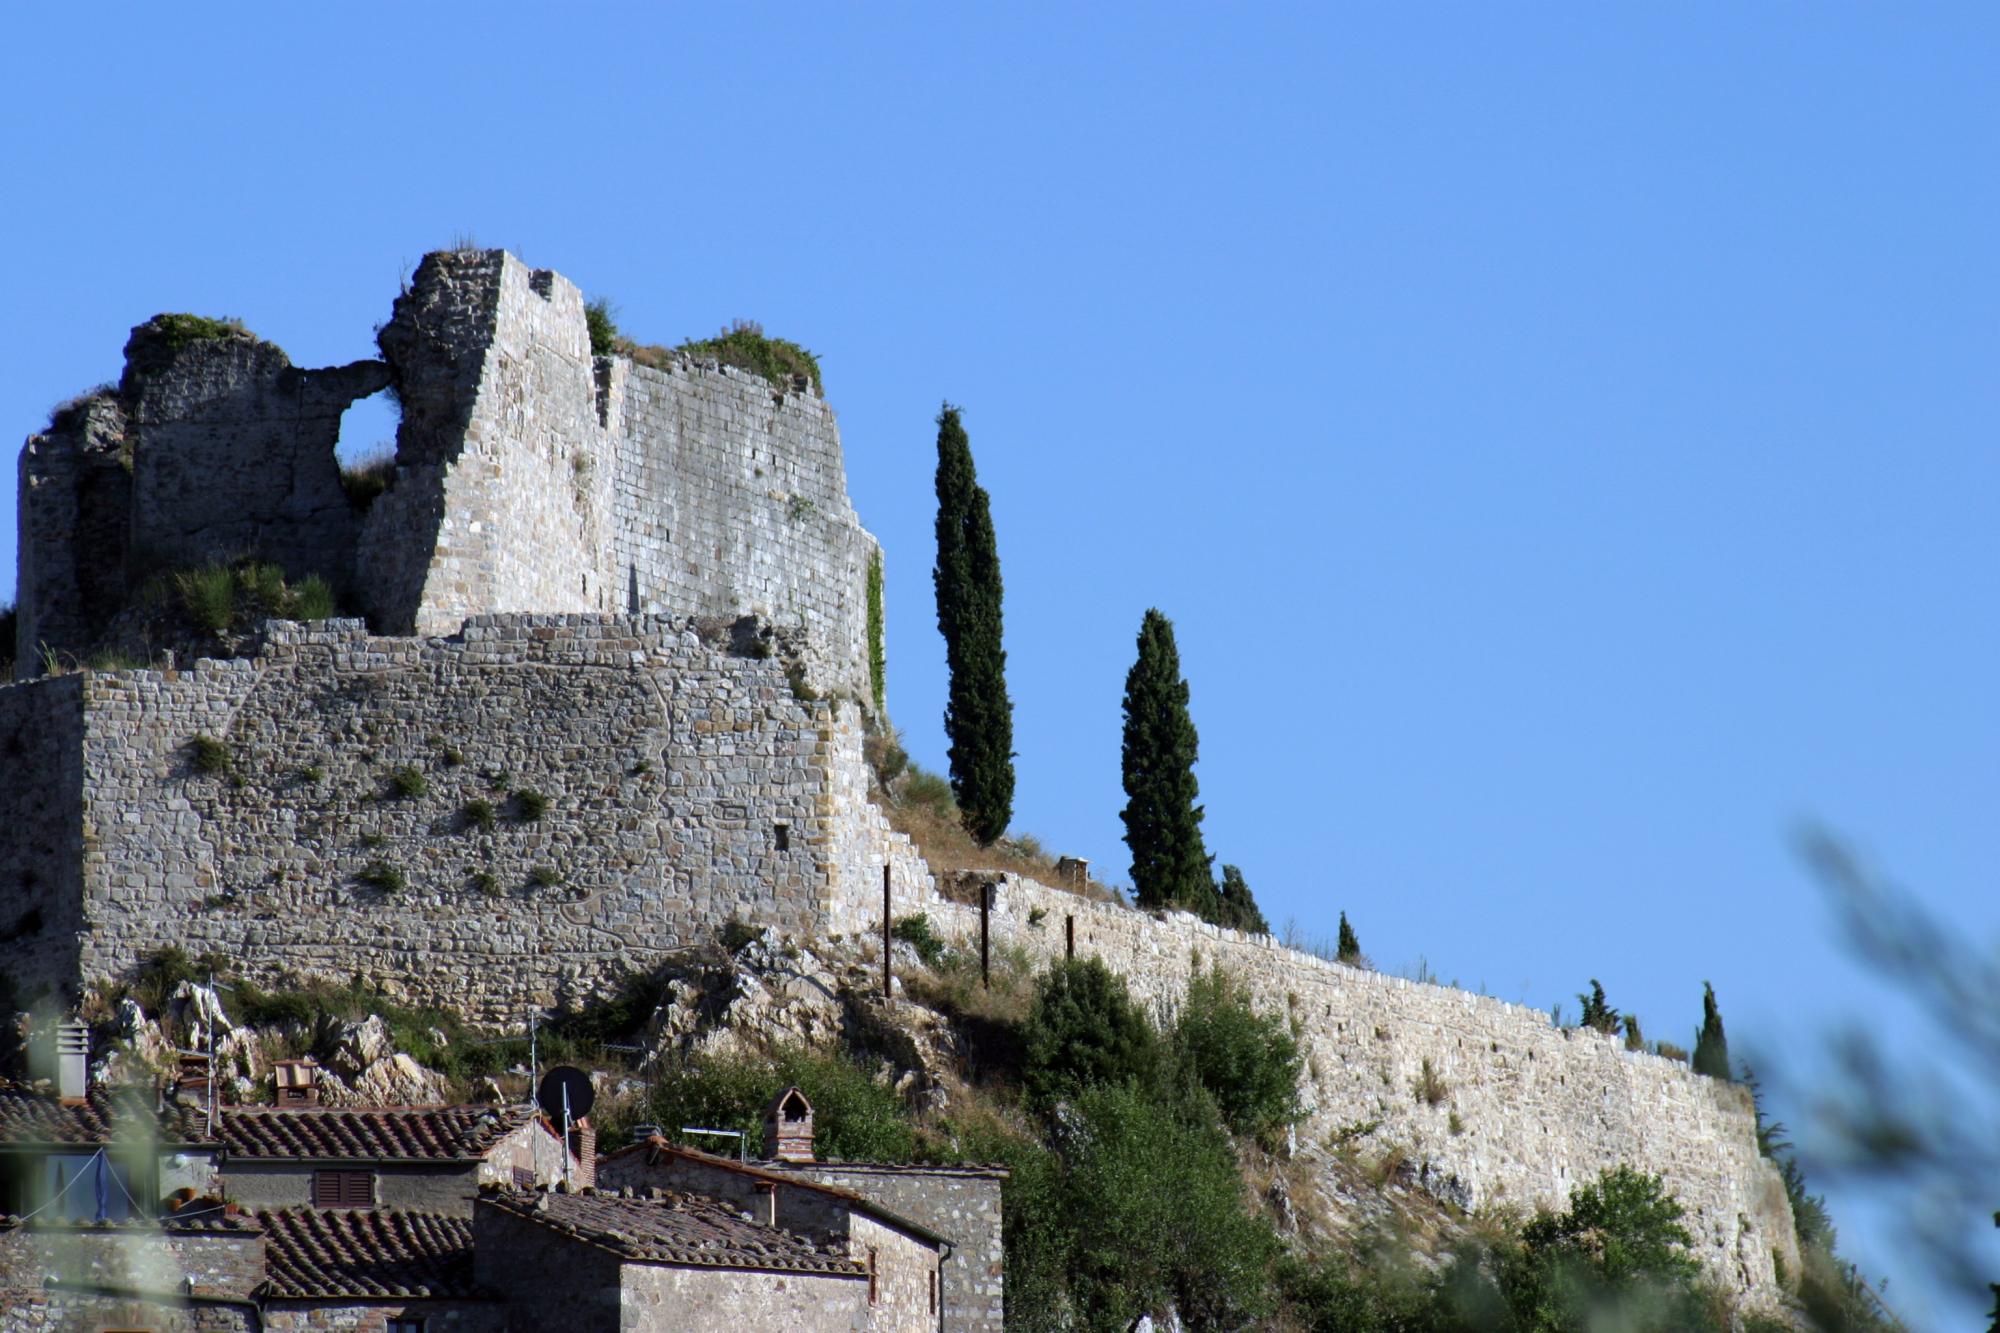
x: 1082, y: 1031
x: 529, y: 805
x: 744, y: 345
x: 382, y: 877
x: 208, y: 756
x: 407, y: 782
x: 878, y: 656
x: 544, y: 877
x: 600, y: 317
x: 233, y: 598
x: 1247, y: 1061
x: 1153, y: 1216
x: 855, y: 1118
x: 1597, y: 1015
x: 477, y: 814
x: 181, y: 330
x: 366, y: 477
x: 916, y: 932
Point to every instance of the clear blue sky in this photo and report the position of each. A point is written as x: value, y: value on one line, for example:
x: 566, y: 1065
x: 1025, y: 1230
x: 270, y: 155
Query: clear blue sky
x: 1563, y: 436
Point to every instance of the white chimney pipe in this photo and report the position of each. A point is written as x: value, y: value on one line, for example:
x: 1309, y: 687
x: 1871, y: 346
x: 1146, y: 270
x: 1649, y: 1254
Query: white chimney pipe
x: 72, y: 1061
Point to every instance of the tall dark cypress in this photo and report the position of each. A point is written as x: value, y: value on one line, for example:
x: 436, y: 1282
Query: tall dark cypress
x: 1349, y: 949
x: 978, y: 719
x: 1711, y: 1045
x: 1162, y: 821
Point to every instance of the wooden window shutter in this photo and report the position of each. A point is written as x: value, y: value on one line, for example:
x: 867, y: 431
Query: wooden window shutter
x: 343, y: 1189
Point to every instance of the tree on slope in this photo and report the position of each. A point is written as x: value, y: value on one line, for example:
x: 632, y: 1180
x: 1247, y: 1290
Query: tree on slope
x: 978, y: 719
x: 1711, y: 1046
x: 1162, y: 821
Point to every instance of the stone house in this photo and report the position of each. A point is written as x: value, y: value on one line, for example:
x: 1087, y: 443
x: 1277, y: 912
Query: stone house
x: 932, y: 1234
x: 656, y: 1260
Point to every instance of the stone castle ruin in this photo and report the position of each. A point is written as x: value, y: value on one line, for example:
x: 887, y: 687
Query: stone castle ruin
x: 608, y: 691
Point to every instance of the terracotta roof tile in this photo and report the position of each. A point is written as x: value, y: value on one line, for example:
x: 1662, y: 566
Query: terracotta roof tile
x: 670, y: 1227
x: 435, y: 1133
x: 30, y: 1117
x: 318, y: 1254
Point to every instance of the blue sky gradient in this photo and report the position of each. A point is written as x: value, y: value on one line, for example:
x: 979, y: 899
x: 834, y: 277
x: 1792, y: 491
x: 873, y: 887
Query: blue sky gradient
x: 1563, y: 436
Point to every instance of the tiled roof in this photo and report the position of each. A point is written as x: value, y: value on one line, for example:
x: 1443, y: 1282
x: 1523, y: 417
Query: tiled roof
x: 669, y: 1227
x: 313, y: 1254
x: 322, y: 1133
x: 30, y: 1117
x: 657, y: 1147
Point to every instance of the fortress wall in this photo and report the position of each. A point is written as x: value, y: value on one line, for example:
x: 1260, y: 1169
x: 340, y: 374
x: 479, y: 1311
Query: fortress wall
x: 534, y: 477
x: 1541, y: 1110
x: 666, y: 766
x: 732, y: 499
x: 41, y: 842
x: 862, y: 843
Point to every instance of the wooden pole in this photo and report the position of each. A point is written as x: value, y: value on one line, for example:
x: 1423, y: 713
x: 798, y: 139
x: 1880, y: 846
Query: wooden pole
x: 1069, y: 929
x: 885, y: 930
x: 985, y: 911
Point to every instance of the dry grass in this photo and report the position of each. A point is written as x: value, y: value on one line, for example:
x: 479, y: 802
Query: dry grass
x: 919, y: 806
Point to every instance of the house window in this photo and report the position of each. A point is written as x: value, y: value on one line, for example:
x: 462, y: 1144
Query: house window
x: 343, y: 1189
x: 872, y: 1290
x: 934, y: 1282
x: 784, y: 834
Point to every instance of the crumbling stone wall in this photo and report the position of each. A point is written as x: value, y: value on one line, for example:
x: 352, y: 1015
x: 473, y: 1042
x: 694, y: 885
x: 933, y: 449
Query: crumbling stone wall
x: 533, y: 477
x: 529, y: 476
x: 205, y: 451
x: 1527, y: 1111
x: 233, y: 456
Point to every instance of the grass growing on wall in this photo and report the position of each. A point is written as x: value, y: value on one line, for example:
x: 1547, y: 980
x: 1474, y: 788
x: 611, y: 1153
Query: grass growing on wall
x: 878, y: 655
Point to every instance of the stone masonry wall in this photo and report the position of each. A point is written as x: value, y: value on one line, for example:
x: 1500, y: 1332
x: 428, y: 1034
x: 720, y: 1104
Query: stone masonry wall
x: 534, y: 477
x: 1540, y: 1110
x: 666, y: 766
x: 41, y: 834
x: 529, y: 476
x: 962, y: 1203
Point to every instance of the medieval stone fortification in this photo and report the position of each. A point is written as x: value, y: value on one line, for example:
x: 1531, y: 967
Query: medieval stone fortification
x: 614, y: 760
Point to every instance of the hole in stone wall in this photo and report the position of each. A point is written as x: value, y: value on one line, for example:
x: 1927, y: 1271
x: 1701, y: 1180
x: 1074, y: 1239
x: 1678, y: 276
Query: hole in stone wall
x: 784, y: 837
x: 366, y: 448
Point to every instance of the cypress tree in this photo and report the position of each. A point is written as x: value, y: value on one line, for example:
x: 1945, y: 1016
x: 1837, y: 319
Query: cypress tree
x: 1237, y: 909
x: 1162, y: 821
x: 1711, y: 1046
x: 1350, y: 947
x: 978, y: 719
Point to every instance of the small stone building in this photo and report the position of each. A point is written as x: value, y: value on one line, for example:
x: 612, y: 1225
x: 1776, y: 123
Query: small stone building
x: 383, y: 1270
x: 934, y: 1233
x: 658, y: 1260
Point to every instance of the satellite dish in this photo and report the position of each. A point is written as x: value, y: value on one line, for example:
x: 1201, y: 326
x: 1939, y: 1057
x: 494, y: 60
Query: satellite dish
x: 570, y: 1079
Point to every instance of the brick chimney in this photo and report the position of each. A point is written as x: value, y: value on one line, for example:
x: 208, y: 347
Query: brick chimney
x: 788, y: 1128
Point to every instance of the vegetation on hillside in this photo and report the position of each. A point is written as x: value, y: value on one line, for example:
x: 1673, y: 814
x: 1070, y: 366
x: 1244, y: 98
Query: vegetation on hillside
x: 978, y: 717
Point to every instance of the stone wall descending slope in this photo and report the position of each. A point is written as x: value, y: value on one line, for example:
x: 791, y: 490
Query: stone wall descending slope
x: 1537, y: 1110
